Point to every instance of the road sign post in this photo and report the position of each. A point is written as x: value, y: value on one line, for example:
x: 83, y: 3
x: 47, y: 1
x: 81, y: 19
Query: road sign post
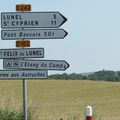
x: 25, y: 98
x: 15, y: 58
x: 24, y: 7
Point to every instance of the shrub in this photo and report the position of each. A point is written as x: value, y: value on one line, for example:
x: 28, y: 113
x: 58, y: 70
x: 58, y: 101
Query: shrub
x: 9, y: 110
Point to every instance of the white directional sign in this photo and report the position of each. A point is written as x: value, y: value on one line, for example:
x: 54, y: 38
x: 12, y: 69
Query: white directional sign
x: 33, y: 34
x: 35, y: 64
x: 22, y: 53
x: 32, y: 19
x: 23, y: 74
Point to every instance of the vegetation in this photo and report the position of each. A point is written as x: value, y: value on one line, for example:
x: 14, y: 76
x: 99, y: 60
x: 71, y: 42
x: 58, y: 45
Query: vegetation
x: 62, y: 99
x: 103, y: 75
x: 9, y: 110
x: 6, y: 114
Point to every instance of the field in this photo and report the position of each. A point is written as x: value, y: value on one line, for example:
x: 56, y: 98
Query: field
x: 57, y: 99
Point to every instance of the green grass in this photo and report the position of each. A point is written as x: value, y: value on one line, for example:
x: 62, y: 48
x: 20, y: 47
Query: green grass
x: 56, y: 99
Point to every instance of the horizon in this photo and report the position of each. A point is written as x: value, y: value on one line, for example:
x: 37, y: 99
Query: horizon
x: 93, y: 39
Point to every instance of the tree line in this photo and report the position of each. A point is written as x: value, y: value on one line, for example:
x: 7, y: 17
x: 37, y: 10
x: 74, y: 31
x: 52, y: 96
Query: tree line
x: 103, y: 75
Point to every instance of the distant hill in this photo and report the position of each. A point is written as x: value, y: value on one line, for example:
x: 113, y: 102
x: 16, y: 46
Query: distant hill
x: 103, y: 75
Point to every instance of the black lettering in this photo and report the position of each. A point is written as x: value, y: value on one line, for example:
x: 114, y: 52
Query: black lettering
x: 53, y: 22
x: 5, y: 23
x: 54, y: 16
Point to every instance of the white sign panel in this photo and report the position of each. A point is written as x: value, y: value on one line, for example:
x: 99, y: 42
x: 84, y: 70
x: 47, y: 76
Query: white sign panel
x: 33, y: 34
x: 32, y: 19
x: 35, y: 64
x: 23, y: 74
x: 22, y: 53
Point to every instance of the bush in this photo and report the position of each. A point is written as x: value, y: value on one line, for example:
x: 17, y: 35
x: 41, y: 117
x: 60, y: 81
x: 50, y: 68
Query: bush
x: 9, y: 110
x: 6, y: 114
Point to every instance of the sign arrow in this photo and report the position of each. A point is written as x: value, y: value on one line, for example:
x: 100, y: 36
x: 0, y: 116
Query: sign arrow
x: 33, y: 34
x: 35, y: 64
x: 32, y: 19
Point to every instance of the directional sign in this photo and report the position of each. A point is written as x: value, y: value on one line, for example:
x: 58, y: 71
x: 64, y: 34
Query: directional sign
x: 33, y: 34
x: 35, y: 64
x: 23, y: 43
x: 23, y: 7
x: 22, y: 53
x: 32, y: 19
x: 23, y: 74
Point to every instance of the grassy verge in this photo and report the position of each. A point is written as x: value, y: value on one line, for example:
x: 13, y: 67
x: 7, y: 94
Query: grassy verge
x: 9, y: 109
x: 67, y: 99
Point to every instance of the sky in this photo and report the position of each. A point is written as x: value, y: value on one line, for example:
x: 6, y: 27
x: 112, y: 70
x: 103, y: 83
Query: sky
x: 93, y: 40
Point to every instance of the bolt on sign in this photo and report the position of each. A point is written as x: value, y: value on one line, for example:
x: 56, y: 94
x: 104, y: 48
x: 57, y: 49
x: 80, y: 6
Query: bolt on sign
x: 23, y: 7
x: 23, y: 43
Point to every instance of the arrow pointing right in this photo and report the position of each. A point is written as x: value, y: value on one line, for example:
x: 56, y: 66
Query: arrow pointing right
x: 32, y: 20
x: 33, y: 34
x: 36, y: 64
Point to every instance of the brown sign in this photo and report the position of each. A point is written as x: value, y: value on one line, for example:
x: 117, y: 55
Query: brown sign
x: 23, y: 7
x: 23, y: 43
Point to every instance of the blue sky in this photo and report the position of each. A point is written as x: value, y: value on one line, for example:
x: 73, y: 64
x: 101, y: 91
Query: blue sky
x: 93, y: 40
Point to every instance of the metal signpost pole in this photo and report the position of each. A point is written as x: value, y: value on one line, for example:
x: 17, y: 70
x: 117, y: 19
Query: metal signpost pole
x: 21, y: 6
x: 24, y: 95
x: 25, y: 98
